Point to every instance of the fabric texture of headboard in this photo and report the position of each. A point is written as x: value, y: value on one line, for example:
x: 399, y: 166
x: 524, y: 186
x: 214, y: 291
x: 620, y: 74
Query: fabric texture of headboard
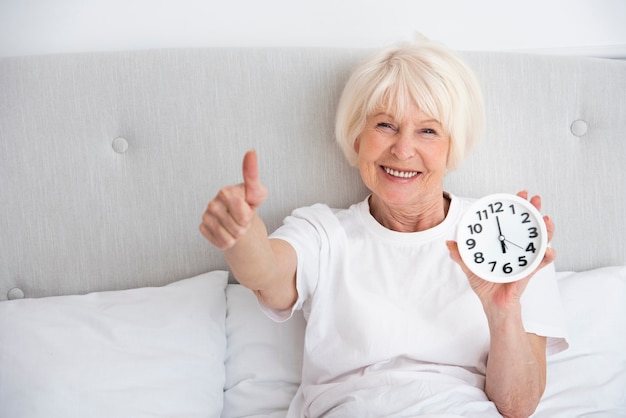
x: 108, y: 159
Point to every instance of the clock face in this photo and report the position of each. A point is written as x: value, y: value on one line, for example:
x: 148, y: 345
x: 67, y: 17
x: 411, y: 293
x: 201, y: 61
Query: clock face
x: 502, y: 238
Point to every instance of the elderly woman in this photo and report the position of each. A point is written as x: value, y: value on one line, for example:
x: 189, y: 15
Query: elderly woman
x: 396, y: 324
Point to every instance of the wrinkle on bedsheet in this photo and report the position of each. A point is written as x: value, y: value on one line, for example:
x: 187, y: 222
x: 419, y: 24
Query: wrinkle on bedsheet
x: 402, y: 388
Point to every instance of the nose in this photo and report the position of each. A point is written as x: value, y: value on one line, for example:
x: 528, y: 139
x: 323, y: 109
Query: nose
x: 404, y: 147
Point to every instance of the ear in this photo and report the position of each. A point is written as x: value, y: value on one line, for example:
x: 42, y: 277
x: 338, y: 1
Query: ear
x: 357, y: 144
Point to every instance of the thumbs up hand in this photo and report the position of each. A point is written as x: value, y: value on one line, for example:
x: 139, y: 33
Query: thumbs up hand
x: 229, y: 215
x: 256, y: 193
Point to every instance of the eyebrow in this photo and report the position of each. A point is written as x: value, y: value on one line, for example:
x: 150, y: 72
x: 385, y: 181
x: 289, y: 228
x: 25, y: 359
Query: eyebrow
x: 431, y: 120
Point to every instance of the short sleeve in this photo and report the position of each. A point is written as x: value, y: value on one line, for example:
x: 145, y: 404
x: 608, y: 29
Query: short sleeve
x: 542, y: 310
x: 307, y: 230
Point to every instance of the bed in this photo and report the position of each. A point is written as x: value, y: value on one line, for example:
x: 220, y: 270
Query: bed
x: 112, y: 303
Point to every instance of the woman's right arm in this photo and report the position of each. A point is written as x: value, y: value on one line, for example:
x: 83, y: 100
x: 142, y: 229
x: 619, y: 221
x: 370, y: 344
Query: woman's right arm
x: 231, y: 223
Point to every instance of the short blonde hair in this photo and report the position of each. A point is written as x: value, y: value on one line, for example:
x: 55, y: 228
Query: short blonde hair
x: 425, y: 72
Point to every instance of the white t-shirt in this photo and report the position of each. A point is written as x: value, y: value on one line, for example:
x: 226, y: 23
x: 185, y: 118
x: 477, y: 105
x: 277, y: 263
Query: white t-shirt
x: 393, y: 326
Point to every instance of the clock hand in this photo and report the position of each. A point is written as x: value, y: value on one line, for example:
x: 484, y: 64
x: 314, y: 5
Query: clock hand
x: 514, y: 244
x: 501, y: 237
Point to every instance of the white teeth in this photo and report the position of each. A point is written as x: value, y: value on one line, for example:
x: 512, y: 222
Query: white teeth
x: 401, y: 174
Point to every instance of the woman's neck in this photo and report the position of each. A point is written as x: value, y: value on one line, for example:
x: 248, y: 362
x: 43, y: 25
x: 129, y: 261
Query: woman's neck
x: 414, y: 218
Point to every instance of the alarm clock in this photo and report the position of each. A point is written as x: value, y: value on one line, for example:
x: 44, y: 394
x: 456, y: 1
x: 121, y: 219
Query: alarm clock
x: 502, y: 238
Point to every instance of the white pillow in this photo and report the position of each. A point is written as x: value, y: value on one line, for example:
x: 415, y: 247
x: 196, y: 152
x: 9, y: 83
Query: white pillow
x: 149, y: 352
x: 263, y: 359
x: 589, y: 378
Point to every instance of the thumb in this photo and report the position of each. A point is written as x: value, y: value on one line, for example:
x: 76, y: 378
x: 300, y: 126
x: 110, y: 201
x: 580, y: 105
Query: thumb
x: 454, y: 252
x: 453, y: 248
x: 256, y: 193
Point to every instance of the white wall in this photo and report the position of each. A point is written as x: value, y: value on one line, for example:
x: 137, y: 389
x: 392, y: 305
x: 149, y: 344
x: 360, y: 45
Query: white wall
x: 591, y: 27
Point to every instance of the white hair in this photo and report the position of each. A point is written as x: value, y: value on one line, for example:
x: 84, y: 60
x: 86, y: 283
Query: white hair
x: 424, y: 72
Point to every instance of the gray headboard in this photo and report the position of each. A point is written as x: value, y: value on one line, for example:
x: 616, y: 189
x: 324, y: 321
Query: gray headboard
x: 109, y: 159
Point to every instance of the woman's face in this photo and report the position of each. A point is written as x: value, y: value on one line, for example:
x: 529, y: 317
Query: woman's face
x: 403, y: 162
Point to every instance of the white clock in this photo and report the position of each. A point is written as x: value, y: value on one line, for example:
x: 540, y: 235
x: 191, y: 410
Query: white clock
x: 502, y: 238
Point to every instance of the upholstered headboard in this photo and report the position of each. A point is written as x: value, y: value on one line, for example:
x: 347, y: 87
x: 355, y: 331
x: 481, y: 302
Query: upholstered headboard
x: 108, y: 160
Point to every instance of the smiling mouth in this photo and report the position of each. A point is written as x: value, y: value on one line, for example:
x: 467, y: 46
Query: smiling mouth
x: 400, y: 174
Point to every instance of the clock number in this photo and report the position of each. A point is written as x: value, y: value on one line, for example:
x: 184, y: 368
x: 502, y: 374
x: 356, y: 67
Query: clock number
x: 533, y: 232
x: 496, y: 207
x: 479, y: 258
x: 493, y: 265
x: 531, y: 248
x: 482, y: 213
x: 512, y: 209
x: 475, y: 229
x: 526, y: 217
x: 522, y: 261
x: 470, y: 244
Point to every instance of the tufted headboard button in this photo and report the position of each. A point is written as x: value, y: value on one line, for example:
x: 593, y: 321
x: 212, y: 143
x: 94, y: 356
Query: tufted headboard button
x: 120, y: 145
x: 579, y: 127
x: 15, y: 293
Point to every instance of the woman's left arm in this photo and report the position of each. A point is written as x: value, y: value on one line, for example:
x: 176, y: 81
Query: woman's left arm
x: 516, y: 366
